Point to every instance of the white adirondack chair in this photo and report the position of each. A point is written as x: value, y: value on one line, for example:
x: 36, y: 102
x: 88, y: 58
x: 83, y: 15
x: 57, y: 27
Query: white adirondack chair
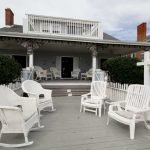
x: 43, y: 96
x: 133, y: 109
x: 75, y: 73
x: 17, y: 115
x: 94, y: 100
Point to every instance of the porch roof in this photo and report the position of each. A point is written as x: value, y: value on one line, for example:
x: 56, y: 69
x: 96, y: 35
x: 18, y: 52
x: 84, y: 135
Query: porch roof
x: 13, y: 40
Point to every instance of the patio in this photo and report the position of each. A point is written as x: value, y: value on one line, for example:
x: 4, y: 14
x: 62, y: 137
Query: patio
x: 68, y: 129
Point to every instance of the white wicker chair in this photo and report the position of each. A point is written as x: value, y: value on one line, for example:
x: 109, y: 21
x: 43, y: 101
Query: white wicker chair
x: 89, y: 73
x: 34, y: 89
x: 75, y: 73
x: 40, y: 72
x: 17, y: 115
x: 56, y: 73
x: 94, y: 100
x: 133, y: 109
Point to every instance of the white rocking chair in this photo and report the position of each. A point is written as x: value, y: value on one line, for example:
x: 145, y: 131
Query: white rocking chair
x: 43, y: 96
x: 17, y: 115
x: 56, y: 73
x: 94, y: 100
x: 133, y: 109
x: 75, y: 73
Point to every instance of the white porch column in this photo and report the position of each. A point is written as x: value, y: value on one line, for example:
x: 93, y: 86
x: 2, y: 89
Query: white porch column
x: 147, y: 68
x: 30, y: 53
x: 93, y: 49
x: 30, y: 46
x: 146, y: 65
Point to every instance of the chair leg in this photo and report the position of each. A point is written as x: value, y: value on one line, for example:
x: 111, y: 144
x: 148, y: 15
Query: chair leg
x: 53, y: 109
x: 26, y: 137
x: 81, y: 108
x: 108, y: 119
x: 96, y: 111
x: 84, y: 109
x: 0, y: 135
x: 132, y: 129
x: 100, y: 111
x: 104, y: 108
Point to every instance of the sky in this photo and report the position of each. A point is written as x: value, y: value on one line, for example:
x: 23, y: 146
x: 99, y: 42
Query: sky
x: 119, y: 18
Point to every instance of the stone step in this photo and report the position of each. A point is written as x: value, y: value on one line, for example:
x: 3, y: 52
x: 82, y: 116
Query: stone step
x: 68, y: 90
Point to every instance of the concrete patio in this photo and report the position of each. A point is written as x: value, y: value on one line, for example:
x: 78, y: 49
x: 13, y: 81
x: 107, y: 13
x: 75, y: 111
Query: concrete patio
x: 68, y: 129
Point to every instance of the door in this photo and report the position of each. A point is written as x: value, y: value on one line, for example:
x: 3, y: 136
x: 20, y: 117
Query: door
x: 21, y: 60
x: 66, y: 67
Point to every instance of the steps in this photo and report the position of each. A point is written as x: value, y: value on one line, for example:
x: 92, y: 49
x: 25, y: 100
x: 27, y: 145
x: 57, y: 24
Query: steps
x: 68, y: 90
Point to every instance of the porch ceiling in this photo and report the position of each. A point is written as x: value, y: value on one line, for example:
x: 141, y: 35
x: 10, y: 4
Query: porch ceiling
x: 11, y: 43
x: 11, y: 47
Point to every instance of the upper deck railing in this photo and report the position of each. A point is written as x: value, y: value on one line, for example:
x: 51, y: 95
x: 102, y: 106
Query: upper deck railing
x: 62, y: 27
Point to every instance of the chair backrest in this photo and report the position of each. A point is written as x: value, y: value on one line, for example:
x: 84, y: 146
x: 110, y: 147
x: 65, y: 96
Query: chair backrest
x: 38, y: 68
x: 98, y: 89
x: 7, y: 96
x: 138, y: 97
x: 30, y: 86
x: 77, y: 70
x: 90, y: 71
x: 54, y: 70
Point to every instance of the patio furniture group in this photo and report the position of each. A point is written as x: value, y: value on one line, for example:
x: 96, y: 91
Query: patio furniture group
x: 22, y: 114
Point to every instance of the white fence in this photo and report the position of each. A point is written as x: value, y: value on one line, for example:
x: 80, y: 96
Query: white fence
x: 117, y: 91
x: 14, y: 86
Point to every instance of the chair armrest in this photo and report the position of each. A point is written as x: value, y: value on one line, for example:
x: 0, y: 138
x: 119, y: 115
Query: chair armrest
x: 85, y: 96
x: 116, y: 105
x: 28, y: 104
x: 11, y: 108
x: 47, y: 93
x: 141, y: 111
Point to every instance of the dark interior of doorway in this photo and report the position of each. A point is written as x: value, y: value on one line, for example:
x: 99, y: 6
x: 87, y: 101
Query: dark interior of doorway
x: 66, y: 67
x: 102, y: 63
x: 21, y: 60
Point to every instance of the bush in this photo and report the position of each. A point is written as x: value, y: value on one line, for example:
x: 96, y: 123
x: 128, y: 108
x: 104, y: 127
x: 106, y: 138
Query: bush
x: 124, y: 70
x: 9, y: 69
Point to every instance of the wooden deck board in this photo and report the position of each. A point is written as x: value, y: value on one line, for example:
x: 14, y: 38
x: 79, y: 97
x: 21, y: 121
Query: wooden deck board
x: 68, y: 129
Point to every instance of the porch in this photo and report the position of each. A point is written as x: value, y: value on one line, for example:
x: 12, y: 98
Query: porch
x: 68, y: 129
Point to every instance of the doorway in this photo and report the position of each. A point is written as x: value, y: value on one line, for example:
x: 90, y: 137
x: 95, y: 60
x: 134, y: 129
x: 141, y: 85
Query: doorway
x: 21, y: 60
x: 66, y: 67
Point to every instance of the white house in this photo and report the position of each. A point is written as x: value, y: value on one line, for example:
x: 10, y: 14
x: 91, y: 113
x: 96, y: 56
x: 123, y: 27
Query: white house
x: 63, y: 43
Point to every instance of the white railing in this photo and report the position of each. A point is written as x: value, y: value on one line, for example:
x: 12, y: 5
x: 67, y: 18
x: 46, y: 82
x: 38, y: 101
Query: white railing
x: 14, y: 86
x: 101, y: 75
x: 62, y: 26
x: 117, y: 91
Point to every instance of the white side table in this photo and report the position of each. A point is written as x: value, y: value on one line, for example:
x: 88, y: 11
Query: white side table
x: 83, y: 76
x: 49, y: 75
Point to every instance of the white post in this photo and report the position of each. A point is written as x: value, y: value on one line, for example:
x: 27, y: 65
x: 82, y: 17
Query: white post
x: 30, y: 54
x: 94, y: 60
x: 31, y: 60
x: 146, y: 64
x: 146, y: 68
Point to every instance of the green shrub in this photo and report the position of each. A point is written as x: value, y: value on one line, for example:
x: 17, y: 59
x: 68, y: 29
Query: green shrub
x: 124, y: 70
x: 9, y: 69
